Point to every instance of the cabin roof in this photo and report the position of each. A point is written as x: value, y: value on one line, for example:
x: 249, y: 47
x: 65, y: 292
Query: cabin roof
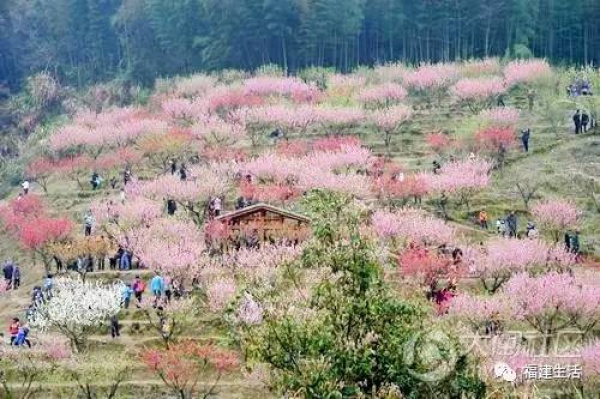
x: 249, y: 210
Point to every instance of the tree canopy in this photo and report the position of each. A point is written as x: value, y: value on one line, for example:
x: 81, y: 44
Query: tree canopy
x: 86, y: 41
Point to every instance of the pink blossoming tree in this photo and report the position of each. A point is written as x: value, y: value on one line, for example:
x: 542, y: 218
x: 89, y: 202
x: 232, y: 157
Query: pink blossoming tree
x: 503, y: 258
x: 478, y: 93
x: 555, y: 216
x: 389, y: 121
x: 526, y: 71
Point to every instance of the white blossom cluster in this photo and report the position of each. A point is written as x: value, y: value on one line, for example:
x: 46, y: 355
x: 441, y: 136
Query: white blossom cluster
x: 76, y: 304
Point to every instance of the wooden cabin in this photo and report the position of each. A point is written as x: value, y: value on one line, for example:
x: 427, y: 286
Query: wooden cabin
x: 265, y: 223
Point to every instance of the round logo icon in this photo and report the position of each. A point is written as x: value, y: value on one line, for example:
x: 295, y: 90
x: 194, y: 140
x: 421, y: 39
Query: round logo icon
x: 431, y: 356
x: 505, y: 372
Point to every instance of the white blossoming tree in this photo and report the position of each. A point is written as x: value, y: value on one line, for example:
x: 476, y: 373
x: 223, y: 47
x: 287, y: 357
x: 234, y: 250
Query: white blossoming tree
x: 77, y: 309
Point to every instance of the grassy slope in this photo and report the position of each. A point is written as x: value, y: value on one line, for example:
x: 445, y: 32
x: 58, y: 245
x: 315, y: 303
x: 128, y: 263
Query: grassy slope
x: 554, y: 158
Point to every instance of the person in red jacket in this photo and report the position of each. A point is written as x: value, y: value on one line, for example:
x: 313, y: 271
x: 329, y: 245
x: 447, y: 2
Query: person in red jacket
x: 13, y: 330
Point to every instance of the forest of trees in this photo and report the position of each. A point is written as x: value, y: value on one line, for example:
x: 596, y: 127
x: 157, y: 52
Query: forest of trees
x: 86, y: 41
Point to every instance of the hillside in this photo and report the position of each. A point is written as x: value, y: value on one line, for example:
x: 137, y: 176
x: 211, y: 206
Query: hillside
x: 350, y: 134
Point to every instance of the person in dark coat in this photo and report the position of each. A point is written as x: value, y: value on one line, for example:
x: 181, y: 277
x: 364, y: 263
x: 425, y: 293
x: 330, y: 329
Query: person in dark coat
x: 577, y: 121
x: 183, y: 172
x: 585, y: 120
x: 8, y: 271
x: 575, y: 243
x: 511, y: 221
x: 568, y: 240
x: 115, y: 327
x: 525, y: 134
x: 171, y: 206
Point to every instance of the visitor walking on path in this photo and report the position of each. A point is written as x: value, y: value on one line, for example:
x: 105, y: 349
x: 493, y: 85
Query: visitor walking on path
x: 575, y: 243
x: 22, y: 336
x: 13, y: 330
x: 16, y: 277
x: 525, y: 134
x: 501, y: 227
x: 532, y: 233
x: 483, y: 219
x: 577, y: 121
x: 157, y: 285
x: 7, y: 270
x: 511, y: 222
x: 216, y: 206
x: 568, y: 240
x: 157, y: 288
x: 126, y: 294
x: 126, y: 176
x: 138, y: 288
x: 88, y: 223
x: 585, y: 120
x: 171, y: 207
x: 25, y: 186
x: 115, y: 330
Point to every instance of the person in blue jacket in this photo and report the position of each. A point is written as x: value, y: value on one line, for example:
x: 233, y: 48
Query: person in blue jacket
x: 157, y: 285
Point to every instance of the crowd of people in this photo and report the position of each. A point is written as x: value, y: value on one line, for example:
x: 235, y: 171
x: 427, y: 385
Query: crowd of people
x: 579, y: 87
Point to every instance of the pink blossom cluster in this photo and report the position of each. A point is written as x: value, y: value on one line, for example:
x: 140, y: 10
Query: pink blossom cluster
x: 133, y: 212
x: 460, y: 175
x: 382, y: 94
x: 214, y: 131
x: 271, y: 166
x: 203, y: 182
x: 330, y: 170
x: 113, y: 116
x: 506, y: 256
x: 303, y: 116
x: 335, y: 143
x: 347, y: 183
x: 438, y: 141
x: 432, y: 77
x: 477, y: 89
x: 526, y: 71
x: 105, y: 135
x: 292, y: 88
x: 299, y: 117
x: 260, y: 266
x: 339, y: 116
x: 501, y: 116
x: 227, y: 98
x: 220, y: 292
x: 555, y: 214
x: 48, y: 348
x: 391, y: 118
x: 173, y: 247
x: 182, y: 110
x: 414, y: 226
x: 553, y: 295
x: 477, y: 311
x: 123, y: 156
